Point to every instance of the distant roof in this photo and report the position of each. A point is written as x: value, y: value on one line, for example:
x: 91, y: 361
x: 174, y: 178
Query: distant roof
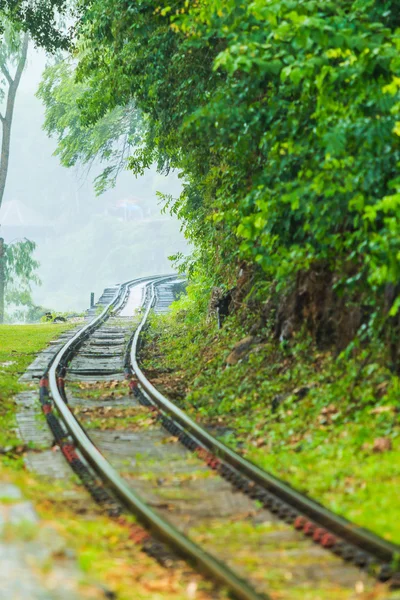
x: 16, y: 214
x: 127, y: 201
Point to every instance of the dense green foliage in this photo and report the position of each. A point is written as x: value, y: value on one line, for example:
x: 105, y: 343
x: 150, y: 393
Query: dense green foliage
x: 41, y: 19
x: 282, y: 116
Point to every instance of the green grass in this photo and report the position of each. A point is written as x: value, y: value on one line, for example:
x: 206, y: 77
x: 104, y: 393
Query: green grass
x: 18, y: 346
x: 320, y: 440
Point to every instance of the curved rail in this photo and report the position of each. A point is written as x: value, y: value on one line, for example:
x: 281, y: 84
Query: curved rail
x: 364, y: 540
x: 154, y: 522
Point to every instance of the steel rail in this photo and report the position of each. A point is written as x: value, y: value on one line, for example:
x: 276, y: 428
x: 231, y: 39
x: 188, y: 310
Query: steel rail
x: 153, y: 521
x: 365, y: 540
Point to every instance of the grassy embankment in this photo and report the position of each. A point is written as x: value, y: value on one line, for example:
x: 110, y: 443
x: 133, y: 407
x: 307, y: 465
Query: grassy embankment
x: 328, y: 425
x: 18, y: 347
x: 103, y: 548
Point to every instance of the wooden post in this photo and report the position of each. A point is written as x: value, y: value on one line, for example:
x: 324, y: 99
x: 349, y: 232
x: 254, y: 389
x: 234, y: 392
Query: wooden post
x: 91, y: 299
x: 2, y: 279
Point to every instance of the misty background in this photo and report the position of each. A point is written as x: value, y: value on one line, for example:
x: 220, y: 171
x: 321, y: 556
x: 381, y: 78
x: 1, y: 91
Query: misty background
x: 84, y: 242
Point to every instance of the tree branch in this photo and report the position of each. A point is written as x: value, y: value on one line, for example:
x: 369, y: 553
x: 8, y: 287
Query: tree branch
x: 22, y: 59
x: 6, y: 73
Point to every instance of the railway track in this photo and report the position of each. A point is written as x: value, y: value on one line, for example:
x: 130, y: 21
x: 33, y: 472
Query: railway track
x: 214, y: 476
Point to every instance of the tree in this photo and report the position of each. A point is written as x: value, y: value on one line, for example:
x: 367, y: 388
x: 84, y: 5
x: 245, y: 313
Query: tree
x: 42, y: 20
x: 13, y: 53
x: 17, y: 273
x: 110, y: 140
x: 285, y: 119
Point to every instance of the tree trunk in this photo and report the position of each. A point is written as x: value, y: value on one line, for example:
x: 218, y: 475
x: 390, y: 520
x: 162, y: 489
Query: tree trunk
x: 6, y: 120
x: 2, y: 279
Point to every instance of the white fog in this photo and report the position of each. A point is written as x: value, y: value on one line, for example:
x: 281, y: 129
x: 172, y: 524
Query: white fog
x: 84, y: 242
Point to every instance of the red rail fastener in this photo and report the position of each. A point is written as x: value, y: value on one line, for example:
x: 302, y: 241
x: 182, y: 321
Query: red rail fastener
x: 47, y: 408
x: 309, y: 528
x: 138, y: 535
x: 133, y: 384
x: 318, y: 534
x: 69, y: 452
x: 44, y: 382
x: 328, y: 540
x: 201, y: 453
x: 300, y: 522
x: 210, y: 458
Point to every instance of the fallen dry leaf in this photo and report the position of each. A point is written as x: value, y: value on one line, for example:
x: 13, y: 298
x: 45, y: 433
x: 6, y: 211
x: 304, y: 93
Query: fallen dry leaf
x: 191, y: 590
x: 381, y: 409
x: 382, y: 387
x: 171, y: 440
x: 359, y: 587
x: 329, y: 410
x: 382, y: 445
